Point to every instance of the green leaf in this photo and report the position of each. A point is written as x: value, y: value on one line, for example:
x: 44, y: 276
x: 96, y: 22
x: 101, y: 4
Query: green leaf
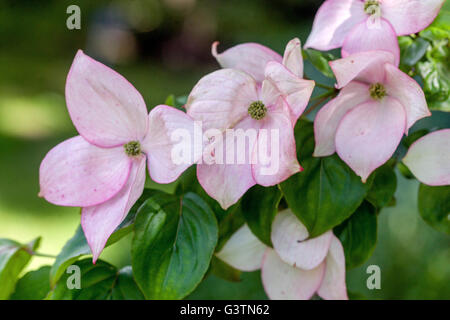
x: 383, y: 186
x: 232, y: 221
x: 440, y: 28
x: 14, y: 256
x: 170, y: 100
x: 188, y: 182
x: 229, y: 220
x: 177, y: 102
x: 434, y: 34
x: 125, y: 287
x: 223, y: 270
x: 77, y: 246
x: 174, y: 241
x: 356, y: 296
x: 413, y: 137
x: 358, y: 235
x: 259, y: 207
x: 412, y: 50
x: 326, y: 192
x: 34, y: 285
x: 320, y: 61
x: 404, y: 170
x: 435, y: 72
x: 101, y: 281
x: 434, y: 206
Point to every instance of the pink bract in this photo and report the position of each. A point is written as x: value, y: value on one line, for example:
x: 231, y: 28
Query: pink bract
x: 297, y: 267
x: 365, y: 25
x: 103, y: 169
x: 222, y: 100
x: 377, y: 104
x: 429, y: 158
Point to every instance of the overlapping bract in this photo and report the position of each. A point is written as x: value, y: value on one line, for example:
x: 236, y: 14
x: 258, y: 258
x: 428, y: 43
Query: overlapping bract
x: 103, y: 169
x: 358, y: 25
x: 221, y: 101
x: 362, y: 125
x: 297, y: 267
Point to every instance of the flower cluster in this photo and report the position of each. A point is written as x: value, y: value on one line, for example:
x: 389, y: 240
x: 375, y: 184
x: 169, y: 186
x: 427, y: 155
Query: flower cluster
x: 260, y: 94
x: 297, y: 267
x: 103, y: 169
x: 366, y: 25
x: 257, y: 90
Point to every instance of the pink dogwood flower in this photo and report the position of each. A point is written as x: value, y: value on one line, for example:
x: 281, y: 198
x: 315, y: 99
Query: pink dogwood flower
x: 365, y: 25
x: 258, y: 90
x: 103, y: 169
x: 297, y: 267
x: 428, y: 158
x: 377, y: 104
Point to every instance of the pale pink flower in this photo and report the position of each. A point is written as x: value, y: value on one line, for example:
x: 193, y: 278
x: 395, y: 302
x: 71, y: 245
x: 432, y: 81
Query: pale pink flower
x: 103, y: 169
x: 258, y: 90
x: 377, y: 104
x: 297, y: 267
x: 429, y: 158
x: 363, y: 25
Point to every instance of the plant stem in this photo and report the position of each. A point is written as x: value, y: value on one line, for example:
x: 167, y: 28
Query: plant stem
x: 38, y: 254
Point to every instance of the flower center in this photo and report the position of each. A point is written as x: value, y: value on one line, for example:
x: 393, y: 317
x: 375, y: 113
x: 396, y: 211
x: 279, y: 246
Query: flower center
x: 132, y: 148
x: 371, y: 7
x: 257, y: 110
x: 377, y: 91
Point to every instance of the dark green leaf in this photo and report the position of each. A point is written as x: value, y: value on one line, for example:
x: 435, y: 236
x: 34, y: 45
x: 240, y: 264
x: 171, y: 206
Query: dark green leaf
x: 101, y: 281
x: 383, y: 186
x: 174, y: 241
x: 125, y: 287
x: 434, y: 206
x: 436, y: 84
x: 188, y: 182
x: 320, y: 61
x: 326, y: 192
x: 440, y: 28
x: 77, y: 246
x: 259, y: 207
x: 434, y: 34
x: 413, y: 137
x: 224, y: 270
x: 14, y: 257
x: 229, y: 220
x: 358, y: 235
x: 232, y: 221
x: 356, y: 296
x: 71, y: 252
x: 412, y: 51
x: 404, y: 170
x: 96, y: 282
x: 435, y: 72
x: 34, y: 285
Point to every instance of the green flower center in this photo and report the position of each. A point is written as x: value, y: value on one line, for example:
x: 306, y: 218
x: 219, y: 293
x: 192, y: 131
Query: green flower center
x: 257, y: 110
x: 132, y: 148
x: 371, y: 6
x: 377, y: 91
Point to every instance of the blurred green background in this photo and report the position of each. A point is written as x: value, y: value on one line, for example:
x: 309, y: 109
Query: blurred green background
x: 163, y: 47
